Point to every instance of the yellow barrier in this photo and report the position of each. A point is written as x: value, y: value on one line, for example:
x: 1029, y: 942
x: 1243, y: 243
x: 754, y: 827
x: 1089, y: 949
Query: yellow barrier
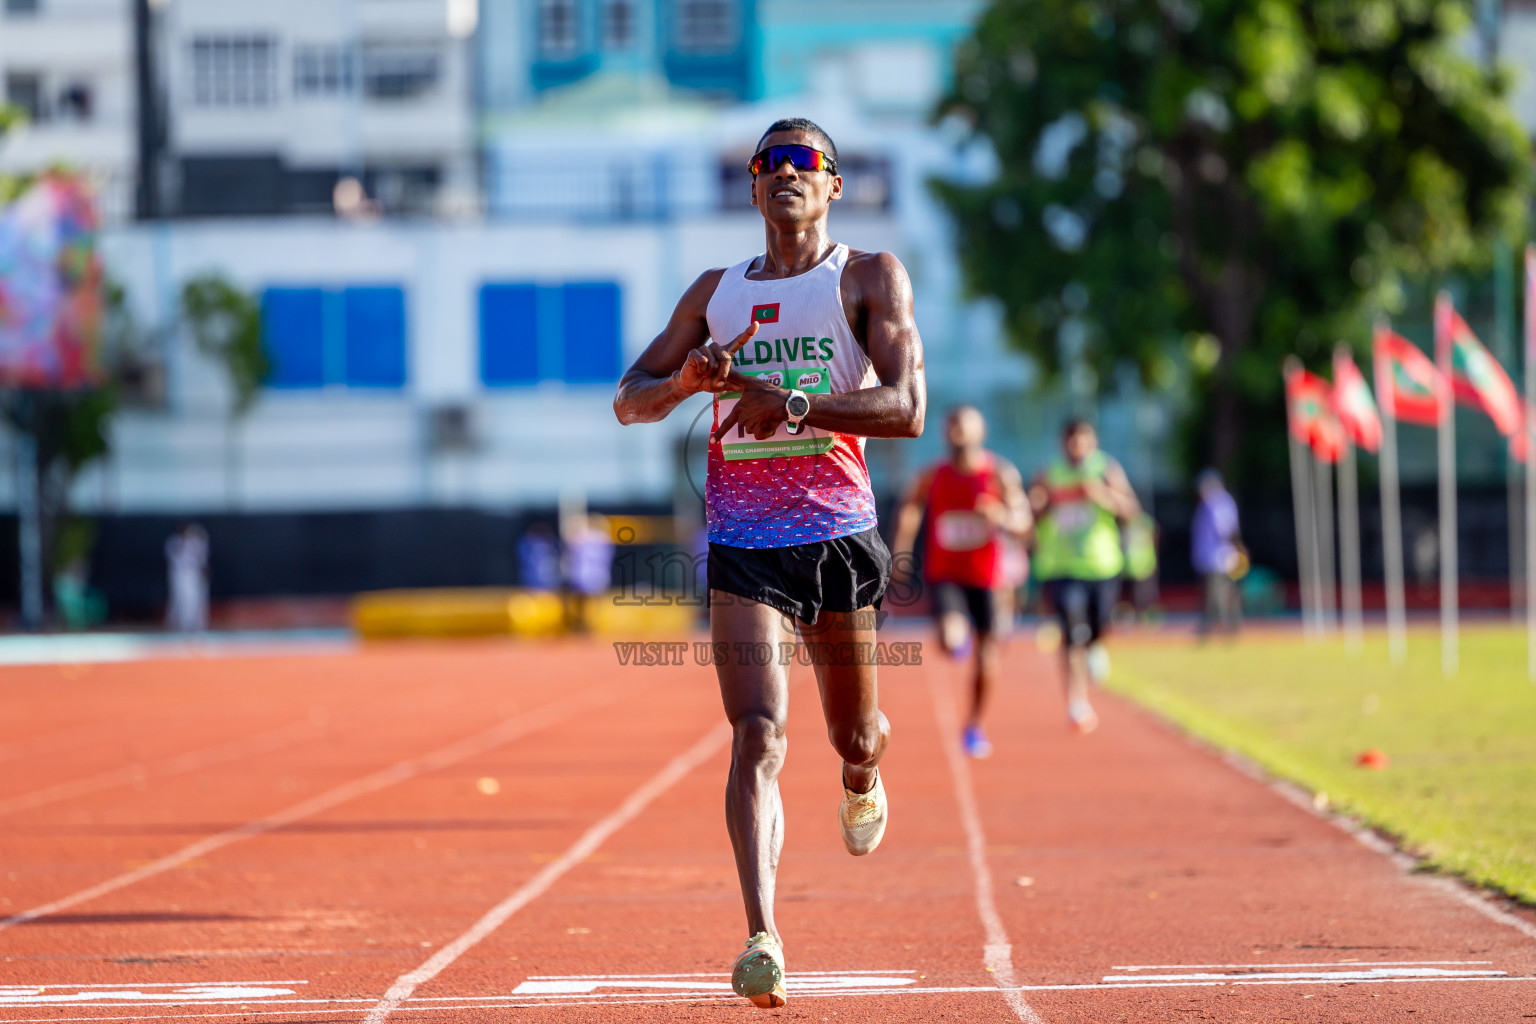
x: 507, y: 612
x: 448, y: 613
x: 605, y: 618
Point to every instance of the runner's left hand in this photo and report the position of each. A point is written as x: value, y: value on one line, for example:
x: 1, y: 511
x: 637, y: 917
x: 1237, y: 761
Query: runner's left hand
x: 759, y: 411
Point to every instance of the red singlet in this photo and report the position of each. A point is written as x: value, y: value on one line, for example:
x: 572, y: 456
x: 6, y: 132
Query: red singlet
x: 962, y: 546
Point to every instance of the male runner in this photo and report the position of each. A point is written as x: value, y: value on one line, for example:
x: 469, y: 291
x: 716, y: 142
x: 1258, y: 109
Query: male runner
x: 808, y: 348
x: 975, y: 500
x: 1079, y: 502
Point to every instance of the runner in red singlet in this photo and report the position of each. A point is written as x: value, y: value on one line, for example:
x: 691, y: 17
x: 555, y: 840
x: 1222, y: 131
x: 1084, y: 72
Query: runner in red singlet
x: 975, y: 502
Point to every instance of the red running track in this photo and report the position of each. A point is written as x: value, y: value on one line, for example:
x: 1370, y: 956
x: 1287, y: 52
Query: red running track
x: 487, y: 831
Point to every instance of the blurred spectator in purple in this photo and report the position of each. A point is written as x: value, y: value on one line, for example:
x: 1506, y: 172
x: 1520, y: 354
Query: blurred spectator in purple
x: 1216, y: 551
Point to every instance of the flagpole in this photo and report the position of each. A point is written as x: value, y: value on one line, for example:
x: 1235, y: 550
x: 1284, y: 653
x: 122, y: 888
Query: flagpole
x: 1301, y: 498
x: 1530, y: 454
x: 1391, y: 519
x: 1349, y: 548
x: 1327, y: 590
x: 1449, y: 576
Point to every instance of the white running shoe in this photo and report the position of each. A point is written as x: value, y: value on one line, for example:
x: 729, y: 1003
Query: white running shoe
x: 758, y: 973
x: 1082, y: 716
x: 1097, y: 661
x: 862, y: 818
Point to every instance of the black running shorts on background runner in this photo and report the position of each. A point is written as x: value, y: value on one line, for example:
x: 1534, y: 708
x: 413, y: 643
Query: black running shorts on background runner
x: 1083, y: 607
x: 979, y: 604
x: 839, y: 575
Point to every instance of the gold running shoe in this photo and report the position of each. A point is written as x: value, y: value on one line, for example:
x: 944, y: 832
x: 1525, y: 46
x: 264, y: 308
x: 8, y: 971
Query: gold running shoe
x: 759, y: 972
x: 862, y: 818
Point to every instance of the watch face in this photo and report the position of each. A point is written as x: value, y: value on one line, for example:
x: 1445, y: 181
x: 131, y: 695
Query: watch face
x: 799, y: 405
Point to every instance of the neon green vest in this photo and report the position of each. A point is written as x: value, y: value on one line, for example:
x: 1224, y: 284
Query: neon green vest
x: 1077, y: 538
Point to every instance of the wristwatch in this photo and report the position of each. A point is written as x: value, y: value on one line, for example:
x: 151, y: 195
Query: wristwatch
x: 798, y: 407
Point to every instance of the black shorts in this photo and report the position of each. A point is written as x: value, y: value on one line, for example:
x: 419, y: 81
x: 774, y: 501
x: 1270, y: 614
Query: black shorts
x: 979, y: 604
x: 839, y: 575
x: 1083, y: 607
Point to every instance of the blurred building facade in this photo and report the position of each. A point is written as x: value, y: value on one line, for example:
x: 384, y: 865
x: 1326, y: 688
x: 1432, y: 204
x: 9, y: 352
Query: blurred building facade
x: 463, y: 352
x: 463, y: 220
x: 68, y: 65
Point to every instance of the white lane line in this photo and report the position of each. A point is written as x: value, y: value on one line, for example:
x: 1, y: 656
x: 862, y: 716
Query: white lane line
x: 207, y: 757
x: 562, y: 987
x: 705, y: 974
x: 1329, y: 963
x: 497, y: 735
x: 583, y: 847
x: 1379, y: 972
x: 439, y: 1004
x: 997, y: 954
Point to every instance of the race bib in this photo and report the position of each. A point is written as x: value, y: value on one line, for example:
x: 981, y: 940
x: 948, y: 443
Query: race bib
x: 1076, y: 517
x: 961, y: 530
x: 738, y: 444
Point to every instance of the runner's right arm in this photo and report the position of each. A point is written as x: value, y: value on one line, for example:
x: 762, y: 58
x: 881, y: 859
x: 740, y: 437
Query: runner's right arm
x: 1017, y: 520
x: 680, y: 361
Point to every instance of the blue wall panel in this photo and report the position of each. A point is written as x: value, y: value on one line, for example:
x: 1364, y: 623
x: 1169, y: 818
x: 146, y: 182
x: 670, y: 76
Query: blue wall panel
x: 592, y: 332
x: 509, y: 334
x: 293, y: 333
x: 375, y: 337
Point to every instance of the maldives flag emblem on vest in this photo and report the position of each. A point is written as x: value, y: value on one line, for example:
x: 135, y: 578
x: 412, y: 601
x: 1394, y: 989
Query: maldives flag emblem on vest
x: 766, y: 314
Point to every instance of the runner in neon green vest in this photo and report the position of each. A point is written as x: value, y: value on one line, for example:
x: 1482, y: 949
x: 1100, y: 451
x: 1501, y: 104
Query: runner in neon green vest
x: 1079, y: 501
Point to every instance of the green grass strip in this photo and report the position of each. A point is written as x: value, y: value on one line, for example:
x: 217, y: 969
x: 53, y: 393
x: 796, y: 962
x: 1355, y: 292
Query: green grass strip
x: 1460, y: 789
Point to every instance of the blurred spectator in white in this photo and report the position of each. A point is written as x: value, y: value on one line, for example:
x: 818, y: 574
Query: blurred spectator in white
x: 588, y: 563
x: 538, y: 558
x: 186, y: 559
x: 1216, y: 550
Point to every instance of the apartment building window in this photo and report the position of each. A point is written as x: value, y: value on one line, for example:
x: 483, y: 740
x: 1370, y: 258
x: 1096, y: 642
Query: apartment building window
x: 324, y: 70
x: 25, y: 91
x: 351, y: 336
x: 400, y: 72
x: 559, y: 29
x: 706, y: 26
x: 76, y: 102
x: 234, y: 71
x: 618, y: 24
x: 567, y: 332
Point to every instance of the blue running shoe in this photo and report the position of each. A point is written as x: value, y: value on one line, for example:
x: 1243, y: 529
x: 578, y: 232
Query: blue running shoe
x: 962, y: 650
x: 975, y: 742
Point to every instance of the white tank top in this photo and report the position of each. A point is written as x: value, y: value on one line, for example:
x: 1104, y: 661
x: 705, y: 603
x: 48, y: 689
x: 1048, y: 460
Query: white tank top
x: 792, y: 488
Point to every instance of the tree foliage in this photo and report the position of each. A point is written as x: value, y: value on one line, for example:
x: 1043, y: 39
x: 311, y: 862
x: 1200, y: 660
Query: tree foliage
x: 1207, y: 186
x: 225, y: 323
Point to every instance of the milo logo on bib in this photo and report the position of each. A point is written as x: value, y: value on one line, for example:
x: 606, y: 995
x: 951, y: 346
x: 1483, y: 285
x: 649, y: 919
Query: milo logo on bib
x: 739, y: 444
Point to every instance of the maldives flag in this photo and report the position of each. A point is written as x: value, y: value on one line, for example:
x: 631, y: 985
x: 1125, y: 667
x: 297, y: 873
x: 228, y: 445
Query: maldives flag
x: 1407, y: 383
x: 1309, y: 408
x: 1477, y: 379
x: 1352, y: 402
